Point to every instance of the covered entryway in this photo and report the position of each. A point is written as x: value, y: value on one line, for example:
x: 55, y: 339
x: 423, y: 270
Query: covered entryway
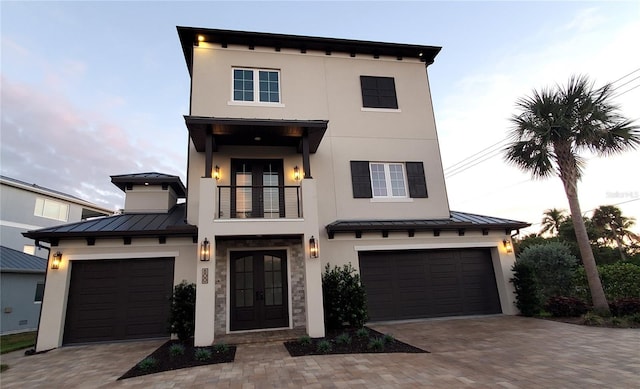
x: 118, y: 299
x: 429, y: 283
x: 259, y: 290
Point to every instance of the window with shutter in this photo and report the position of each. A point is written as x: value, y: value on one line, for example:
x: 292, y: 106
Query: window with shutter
x: 361, y: 179
x: 378, y: 92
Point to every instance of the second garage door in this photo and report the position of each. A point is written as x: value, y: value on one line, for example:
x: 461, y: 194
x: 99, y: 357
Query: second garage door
x: 428, y: 283
x: 118, y: 300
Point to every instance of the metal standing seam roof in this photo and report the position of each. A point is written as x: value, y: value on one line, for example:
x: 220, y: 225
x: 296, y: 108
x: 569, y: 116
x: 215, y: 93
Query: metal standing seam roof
x: 457, y: 220
x: 143, y: 224
x: 15, y: 261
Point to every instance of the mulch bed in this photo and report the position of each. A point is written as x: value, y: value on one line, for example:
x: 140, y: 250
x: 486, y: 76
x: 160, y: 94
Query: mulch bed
x: 358, y: 345
x: 167, y: 362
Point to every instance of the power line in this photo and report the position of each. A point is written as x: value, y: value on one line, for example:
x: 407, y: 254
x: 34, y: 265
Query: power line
x: 626, y: 75
x: 473, y: 155
x: 627, y: 91
x: 473, y: 163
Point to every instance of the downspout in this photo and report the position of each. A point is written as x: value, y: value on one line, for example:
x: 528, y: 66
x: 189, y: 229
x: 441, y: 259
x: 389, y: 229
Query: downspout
x: 32, y: 351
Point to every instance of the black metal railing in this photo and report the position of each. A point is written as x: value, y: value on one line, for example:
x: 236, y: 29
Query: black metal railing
x: 259, y: 202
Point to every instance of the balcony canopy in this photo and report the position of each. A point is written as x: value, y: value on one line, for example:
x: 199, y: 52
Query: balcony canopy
x: 255, y: 132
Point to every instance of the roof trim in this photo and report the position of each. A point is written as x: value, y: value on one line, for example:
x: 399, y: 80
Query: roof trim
x: 122, y: 180
x: 189, y: 38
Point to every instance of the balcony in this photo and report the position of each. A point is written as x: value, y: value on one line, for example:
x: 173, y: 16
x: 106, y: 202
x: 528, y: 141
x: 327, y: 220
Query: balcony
x: 259, y: 202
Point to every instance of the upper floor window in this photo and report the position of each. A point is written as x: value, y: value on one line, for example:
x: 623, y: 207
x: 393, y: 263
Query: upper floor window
x: 378, y: 92
x: 388, y: 179
x: 391, y: 180
x: 51, y: 209
x: 39, y: 292
x: 256, y: 85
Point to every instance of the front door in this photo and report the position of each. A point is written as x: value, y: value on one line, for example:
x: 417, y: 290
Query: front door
x: 259, y: 290
x: 257, y: 188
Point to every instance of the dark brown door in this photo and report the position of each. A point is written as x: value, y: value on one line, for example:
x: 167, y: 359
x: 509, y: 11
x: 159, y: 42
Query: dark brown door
x: 259, y: 290
x: 258, y: 190
x: 429, y: 283
x: 118, y: 300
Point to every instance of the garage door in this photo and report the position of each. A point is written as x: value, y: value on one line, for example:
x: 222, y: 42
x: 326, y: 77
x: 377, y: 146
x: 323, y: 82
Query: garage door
x: 118, y: 300
x: 429, y: 283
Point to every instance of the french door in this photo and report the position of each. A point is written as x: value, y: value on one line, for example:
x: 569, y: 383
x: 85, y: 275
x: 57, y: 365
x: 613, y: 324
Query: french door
x: 257, y: 189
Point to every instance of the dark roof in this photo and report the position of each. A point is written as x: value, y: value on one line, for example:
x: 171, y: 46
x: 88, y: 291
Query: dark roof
x: 15, y: 261
x: 456, y: 221
x: 189, y: 37
x: 127, y: 225
x: 121, y: 181
x: 270, y: 132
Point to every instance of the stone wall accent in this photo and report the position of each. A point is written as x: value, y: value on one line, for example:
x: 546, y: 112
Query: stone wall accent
x: 295, y: 262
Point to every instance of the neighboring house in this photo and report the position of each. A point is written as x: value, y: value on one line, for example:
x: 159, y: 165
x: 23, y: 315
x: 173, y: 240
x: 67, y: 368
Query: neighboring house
x: 22, y: 284
x: 25, y: 207
x: 258, y: 227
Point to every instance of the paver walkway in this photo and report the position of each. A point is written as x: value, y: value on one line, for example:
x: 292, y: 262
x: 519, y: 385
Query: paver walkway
x: 486, y: 352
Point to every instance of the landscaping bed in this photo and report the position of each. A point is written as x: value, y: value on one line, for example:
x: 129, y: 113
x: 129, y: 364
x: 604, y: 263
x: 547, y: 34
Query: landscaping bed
x: 175, y: 354
x: 349, y: 341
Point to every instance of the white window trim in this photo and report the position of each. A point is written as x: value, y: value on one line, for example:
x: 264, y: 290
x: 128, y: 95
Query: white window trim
x: 366, y: 109
x: 256, y: 88
x: 39, y: 211
x: 387, y: 178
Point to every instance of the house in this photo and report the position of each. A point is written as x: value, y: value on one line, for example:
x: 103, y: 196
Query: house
x: 303, y: 151
x: 25, y: 207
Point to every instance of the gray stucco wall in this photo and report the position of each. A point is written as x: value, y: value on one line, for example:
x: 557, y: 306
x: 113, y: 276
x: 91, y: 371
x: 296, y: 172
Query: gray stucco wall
x: 19, y: 311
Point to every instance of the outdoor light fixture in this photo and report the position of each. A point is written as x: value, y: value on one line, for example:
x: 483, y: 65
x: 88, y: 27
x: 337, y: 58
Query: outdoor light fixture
x: 313, y: 247
x: 200, y: 38
x: 296, y: 173
x: 216, y: 173
x: 507, y: 245
x: 57, y: 258
x: 205, y: 250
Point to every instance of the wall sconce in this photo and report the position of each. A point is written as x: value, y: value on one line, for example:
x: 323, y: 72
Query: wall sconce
x: 216, y: 173
x: 507, y: 245
x: 313, y: 247
x: 296, y: 173
x: 205, y: 250
x: 55, y: 262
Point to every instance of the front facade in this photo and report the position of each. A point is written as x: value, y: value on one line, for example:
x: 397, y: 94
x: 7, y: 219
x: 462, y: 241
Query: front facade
x: 305, y: 152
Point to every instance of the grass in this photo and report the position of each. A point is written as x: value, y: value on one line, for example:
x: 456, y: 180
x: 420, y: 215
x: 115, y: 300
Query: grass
x: 15, y: 342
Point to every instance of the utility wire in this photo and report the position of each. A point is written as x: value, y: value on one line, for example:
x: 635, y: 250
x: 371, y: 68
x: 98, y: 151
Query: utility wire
x: 473, y: 155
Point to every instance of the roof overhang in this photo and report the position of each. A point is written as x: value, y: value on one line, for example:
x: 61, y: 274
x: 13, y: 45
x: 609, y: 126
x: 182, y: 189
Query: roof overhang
x: 122, y: 181
x: 255, y: 132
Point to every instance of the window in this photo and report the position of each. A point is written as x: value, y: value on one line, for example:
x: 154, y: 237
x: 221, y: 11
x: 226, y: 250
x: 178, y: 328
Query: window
x: 39, y: 293
x: 29, y: 249
x: 52, y: 209
x: 378, y: 92
x: 388, y: 179
x: 255, y: 85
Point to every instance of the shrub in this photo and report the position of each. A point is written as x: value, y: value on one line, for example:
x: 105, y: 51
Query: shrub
x: 635, y: 318
x: 221, y: 348
x: 388, y: 338
x: 561, y: 306
x: 592, y: 319
x: 324, y: 346
x: 526, y: 289
x: 305, y: 340
x: 344, y: 298
x: 343, y: 338
x: 183, y: 309
x: 553, y: 266
x: 147, y: 364
x: 619, y: 280
x: 376, y: 344
x: 619, y: 322
x: 202, y: 354
x: 362, y: 333
x: 176, y: 350
x: 625, y: 306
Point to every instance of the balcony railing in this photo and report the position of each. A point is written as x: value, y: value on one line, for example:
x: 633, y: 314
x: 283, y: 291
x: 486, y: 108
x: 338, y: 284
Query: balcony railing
x: 259, y: 202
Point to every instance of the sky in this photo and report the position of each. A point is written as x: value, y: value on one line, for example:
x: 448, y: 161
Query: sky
x: 94, y: 89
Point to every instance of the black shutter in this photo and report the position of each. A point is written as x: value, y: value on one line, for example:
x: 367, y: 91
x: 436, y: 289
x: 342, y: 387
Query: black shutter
x: 416, y: 179
x: 378, y: 92
x: 361, y: 180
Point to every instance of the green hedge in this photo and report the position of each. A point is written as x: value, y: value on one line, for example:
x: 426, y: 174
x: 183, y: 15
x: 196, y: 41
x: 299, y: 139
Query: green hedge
x: 619, y: 280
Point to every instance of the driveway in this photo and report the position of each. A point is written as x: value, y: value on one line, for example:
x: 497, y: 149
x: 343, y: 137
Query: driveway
x: 486, y: 352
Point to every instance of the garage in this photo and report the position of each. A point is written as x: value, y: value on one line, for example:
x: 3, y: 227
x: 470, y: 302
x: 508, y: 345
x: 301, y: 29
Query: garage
x: 121, y: 299
x: 429, y: 283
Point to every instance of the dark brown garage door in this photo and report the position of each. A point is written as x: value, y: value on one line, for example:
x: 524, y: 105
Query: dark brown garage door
x: 118, y: 299
x: 428, y: 283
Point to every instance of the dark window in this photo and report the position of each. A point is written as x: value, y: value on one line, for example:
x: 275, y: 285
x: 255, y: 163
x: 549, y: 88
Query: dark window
x: 39, y: 292
x: 361, y: 180
x: 378, y: 92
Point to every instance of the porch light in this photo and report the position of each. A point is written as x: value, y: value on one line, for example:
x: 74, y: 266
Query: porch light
x: 216, y: 173
x: 296, y: 173
x: 205, y: 250
x: 313, y: 247
x: 55, y: 262
x: 200, y: 38
x: 507, y: 245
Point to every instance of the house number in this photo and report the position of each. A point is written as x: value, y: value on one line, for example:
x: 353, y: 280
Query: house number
x: 205, y: 275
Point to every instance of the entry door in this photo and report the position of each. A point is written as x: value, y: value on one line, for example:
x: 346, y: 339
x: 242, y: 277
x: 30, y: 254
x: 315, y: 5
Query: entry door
x: 259, y: 290
x: 257, y: 189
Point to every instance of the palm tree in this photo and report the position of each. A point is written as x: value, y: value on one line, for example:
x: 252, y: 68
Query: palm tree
x: 551, y: 220
x: 613, y: 226
x: 553, y: 128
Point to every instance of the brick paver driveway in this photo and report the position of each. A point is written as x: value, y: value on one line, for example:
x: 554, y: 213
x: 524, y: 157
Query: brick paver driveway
x: 487, y: 352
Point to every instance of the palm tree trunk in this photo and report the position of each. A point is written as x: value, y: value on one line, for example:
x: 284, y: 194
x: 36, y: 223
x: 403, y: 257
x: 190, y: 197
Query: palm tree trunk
x: 569, y: 176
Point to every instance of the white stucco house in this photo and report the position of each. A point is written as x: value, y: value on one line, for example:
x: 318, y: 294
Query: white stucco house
x: 303, y: 151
